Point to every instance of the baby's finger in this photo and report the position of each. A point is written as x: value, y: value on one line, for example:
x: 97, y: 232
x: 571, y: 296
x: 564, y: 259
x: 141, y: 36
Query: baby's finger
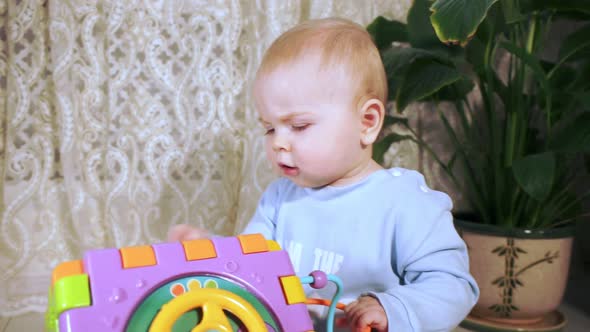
x: 351, y: 307
x: 366, y: 318
x: 362, y: 317
x: 354, y: 314
x: 184, y: 232
x: 362, y: 329
x: 176, y: 232
x: 196, y: 234
x: 341, y: 322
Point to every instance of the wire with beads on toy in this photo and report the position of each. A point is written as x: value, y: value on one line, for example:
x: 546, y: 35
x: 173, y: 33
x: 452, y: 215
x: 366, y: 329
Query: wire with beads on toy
x: 339, y: 305
x: 319, y: 279
x: 324, y: 302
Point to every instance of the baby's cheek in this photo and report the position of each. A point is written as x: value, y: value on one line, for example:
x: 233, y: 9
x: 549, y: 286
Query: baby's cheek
x: 269, y: 153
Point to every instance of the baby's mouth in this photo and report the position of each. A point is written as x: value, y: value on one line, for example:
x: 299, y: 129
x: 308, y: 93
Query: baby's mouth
x: 289, y: 170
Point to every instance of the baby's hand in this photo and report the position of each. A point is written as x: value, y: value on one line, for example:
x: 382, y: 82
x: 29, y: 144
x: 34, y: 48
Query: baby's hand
x: 183, y: 232
x: 366, y: 311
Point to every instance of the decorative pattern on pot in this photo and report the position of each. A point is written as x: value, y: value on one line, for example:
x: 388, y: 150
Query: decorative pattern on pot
x: 510, y: 281
x: 521, y: 274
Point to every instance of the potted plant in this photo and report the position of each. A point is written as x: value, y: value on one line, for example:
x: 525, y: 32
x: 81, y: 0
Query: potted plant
x: 520, y: 133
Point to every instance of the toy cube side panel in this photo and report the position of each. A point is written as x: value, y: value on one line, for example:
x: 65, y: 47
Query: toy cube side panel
x: 259, y: 272
x: 262, y: 272
x: 110, y: 297
x: 117, y: 292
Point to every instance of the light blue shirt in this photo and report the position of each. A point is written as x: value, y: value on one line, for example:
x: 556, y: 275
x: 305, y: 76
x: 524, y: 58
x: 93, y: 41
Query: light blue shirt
x: 388, y: 235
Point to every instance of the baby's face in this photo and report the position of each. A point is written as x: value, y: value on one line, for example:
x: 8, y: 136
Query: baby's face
x: 312, y: 128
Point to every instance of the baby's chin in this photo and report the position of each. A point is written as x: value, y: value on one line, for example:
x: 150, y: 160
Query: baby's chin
x: 311, y: 183
x: 304, y: 180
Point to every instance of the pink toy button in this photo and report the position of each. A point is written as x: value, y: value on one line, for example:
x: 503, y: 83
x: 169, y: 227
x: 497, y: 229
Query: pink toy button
x: 320, y: 279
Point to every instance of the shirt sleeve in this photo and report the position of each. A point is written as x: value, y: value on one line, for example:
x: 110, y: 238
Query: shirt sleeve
x: 264, y: 219
x: 436, y: 290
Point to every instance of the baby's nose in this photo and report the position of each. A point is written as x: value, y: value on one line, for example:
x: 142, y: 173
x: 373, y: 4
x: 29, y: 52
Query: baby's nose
x: 281, y: 143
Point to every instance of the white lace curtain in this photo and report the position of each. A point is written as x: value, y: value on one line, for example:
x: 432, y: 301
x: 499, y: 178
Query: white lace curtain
x: 121, y: 118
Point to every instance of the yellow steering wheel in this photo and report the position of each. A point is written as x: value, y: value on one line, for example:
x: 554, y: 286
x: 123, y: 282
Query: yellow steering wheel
x: 213, y: 301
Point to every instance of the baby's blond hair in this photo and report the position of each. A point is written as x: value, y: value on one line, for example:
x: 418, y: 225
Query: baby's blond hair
x: 340, y: 42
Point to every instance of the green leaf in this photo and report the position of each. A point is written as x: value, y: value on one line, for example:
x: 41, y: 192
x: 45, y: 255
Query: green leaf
x: 535, y: 174
x: 558, y: 5
x: 570, y: 87
x: 582, y: 79
x: 562, y: 75
x: 456, y: 21
x: 576, y: 46
x: 530, y: 60
x: 422, y: 80
x: 534, y: 64
x: 511, y: 11
x: 475, y: 54
x: 455, y: 91
x: 574, y: 137
x: 381, y: 147
x: 420, y: 31
x: 385, y: 32
x: 398, y: 60
x: 584, y: 99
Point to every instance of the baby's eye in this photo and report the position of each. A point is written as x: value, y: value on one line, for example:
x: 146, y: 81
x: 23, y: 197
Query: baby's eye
x: 269, y: 131
x: 300, y: 127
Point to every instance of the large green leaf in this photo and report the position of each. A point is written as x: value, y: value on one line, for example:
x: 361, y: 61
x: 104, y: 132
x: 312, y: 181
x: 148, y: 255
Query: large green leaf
x: 570, y: 85
x: 562, y: 76
x: 487, y: 33
x: 455, y: 91
x: 581, y: 6
x: 535, y: 174
x: 420, y: 31
x: 385, y: 32
x: 584, y: 99
x: 423, y: 79
x: 456, y: 21
x: 574, y: 137
x: 397, y: 61
x: 582, y: 80
x: 475, y: 54
x: 565, y: 104
x: 576, y: 46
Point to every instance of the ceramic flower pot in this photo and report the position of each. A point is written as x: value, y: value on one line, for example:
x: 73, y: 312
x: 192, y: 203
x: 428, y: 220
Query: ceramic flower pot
x: 521, y: 274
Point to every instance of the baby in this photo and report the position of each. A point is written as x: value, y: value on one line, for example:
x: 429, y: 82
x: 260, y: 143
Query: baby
x: 320, y: 93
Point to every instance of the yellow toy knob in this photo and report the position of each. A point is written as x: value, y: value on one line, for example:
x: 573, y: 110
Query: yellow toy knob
x: 213, y: 302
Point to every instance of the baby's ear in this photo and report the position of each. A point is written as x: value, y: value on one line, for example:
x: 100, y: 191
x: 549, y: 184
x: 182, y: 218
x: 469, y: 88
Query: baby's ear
x: 372, y: 115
